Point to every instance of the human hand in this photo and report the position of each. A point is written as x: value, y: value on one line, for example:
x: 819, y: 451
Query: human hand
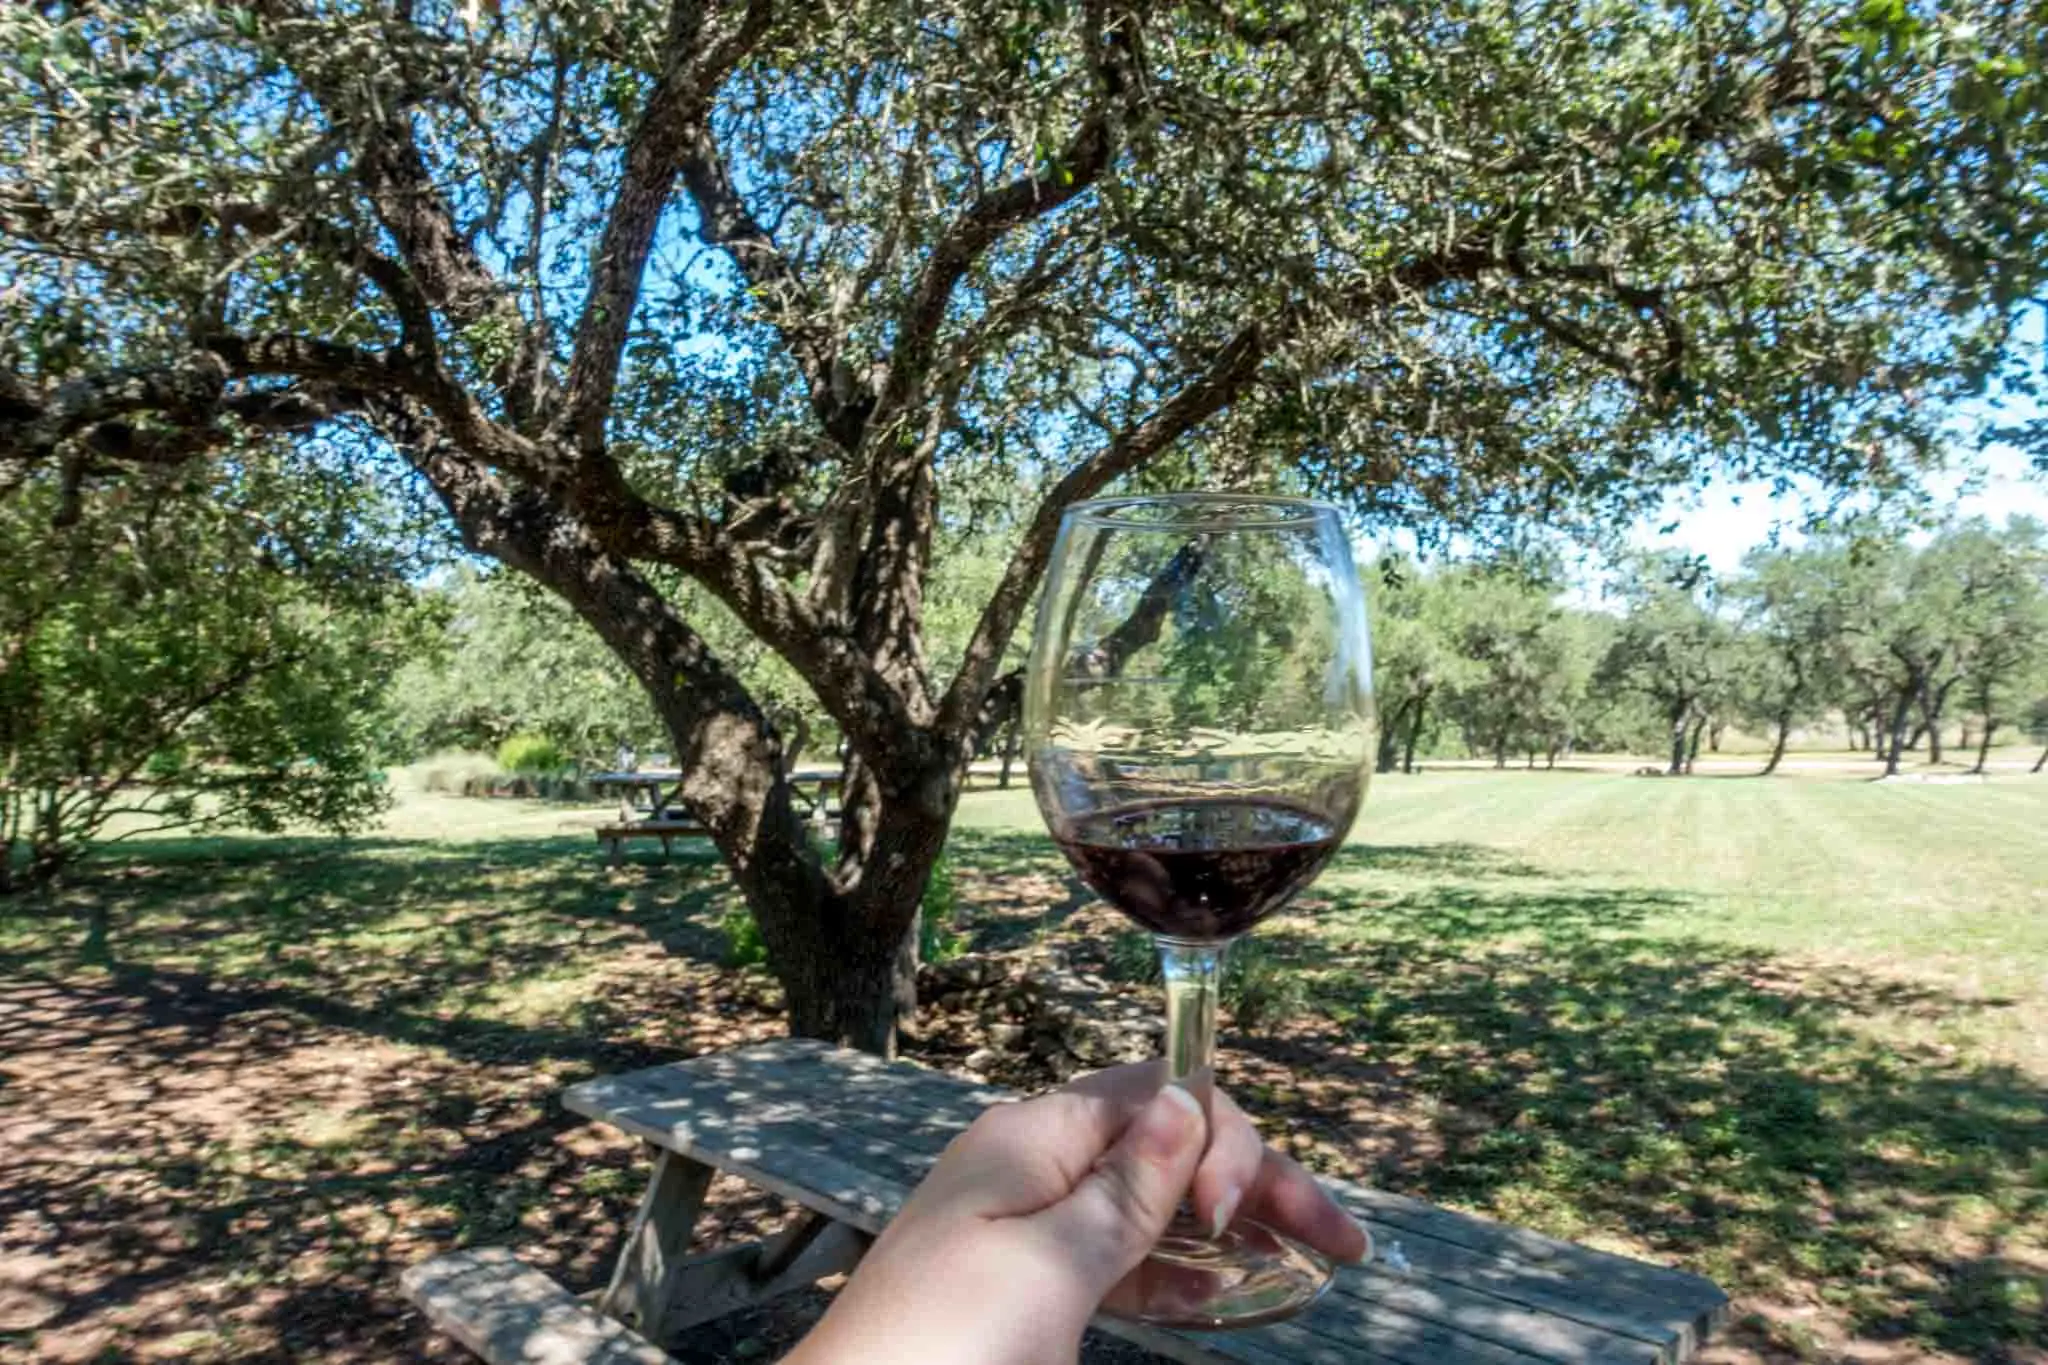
x: 1036, y: 1213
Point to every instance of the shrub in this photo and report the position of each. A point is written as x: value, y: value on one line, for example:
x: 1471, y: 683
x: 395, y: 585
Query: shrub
x: 1259, y: 989
x: 1133, y: 957
x: 743, y: 944
x: 531, y: 754
x: 938, y: 940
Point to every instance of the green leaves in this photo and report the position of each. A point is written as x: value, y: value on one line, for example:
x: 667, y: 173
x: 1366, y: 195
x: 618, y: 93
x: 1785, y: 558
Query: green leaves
x: 213, y: 656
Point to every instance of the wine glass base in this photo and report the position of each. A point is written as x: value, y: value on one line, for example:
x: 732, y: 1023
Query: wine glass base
x: 1248, y: 1276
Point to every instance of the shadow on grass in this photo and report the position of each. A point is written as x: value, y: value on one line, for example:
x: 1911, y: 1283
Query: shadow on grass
x: 1557, y: 1059
x: 235, y: 1103
x: 1581, y: 1068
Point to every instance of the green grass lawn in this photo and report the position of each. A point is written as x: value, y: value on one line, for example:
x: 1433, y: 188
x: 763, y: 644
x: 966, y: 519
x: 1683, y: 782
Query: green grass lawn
x: 1790, y: 1033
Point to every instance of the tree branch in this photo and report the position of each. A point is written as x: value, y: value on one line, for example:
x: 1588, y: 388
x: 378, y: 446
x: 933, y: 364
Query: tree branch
x: 725, y: 221
x: 1069, y: 174
x: 1227, y: 376
x: 675, y: 113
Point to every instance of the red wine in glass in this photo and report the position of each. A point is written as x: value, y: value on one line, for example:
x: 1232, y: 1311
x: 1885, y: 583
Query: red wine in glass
x: 1198, y: 727
x: 1207, y: 868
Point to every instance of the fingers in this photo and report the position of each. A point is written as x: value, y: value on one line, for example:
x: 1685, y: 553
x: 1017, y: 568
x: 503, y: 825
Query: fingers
x: 1119, y: 1208
x: 1230, y: 1167
x: 1291, y: 1201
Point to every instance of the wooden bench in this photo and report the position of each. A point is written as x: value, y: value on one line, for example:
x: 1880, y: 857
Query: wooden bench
x: 665, y: 828
x: 846, y: 1136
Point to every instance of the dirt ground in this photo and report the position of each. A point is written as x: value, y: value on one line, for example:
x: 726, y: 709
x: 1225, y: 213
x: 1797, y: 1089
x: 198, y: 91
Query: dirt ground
x: 149, y: 1210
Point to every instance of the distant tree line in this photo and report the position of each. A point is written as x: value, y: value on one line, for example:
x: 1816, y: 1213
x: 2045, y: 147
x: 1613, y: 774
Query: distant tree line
x: 1897, y: 640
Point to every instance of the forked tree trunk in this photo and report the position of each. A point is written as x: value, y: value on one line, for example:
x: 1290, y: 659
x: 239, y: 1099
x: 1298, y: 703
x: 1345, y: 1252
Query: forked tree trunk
x: 1390, y: 738
x: 843, y: 946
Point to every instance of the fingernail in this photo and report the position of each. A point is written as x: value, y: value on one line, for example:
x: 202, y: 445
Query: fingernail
x: 1366, y: 1233
x: 1226, y: 1209
x: 1161, y: 1128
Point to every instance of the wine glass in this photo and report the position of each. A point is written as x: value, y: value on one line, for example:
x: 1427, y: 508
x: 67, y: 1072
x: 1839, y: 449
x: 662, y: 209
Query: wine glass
x: 1199, y: 731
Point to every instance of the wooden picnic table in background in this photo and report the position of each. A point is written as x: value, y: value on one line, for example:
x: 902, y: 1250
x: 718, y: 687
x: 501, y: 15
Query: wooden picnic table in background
x: 649, y: 804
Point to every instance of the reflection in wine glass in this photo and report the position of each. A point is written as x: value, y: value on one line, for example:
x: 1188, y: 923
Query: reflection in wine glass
x: 1198, y: 729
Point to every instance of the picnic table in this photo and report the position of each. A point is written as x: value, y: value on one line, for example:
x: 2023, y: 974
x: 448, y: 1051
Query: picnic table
x: 845, y: 1136
x: 650, y: 805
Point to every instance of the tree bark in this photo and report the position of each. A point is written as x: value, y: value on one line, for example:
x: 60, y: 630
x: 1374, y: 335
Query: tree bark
x: 1898, y: 732
x: 1414, y: 734
x: 1933, y: 703
x: 1692, y: 747
x: 1012, y: 740
x: 1677, y: 741
x: 843, y: 949
x: 1778, y: 745
x: 2041, y: 762
x: 1984, y: 744
x: 1390, y: 737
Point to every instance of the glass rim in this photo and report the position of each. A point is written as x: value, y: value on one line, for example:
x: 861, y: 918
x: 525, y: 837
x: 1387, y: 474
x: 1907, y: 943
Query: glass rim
x: 1200, y: 510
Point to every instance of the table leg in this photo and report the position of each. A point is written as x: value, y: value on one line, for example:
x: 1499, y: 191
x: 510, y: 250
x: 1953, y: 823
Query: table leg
x: 653, y: 1256
x: 731, y: 1278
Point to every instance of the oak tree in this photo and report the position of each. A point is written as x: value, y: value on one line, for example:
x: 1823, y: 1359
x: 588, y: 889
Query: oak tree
x: 739, y: 291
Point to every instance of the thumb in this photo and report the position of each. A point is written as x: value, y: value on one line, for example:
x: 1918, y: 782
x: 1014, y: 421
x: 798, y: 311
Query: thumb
x: 1112, y: 1218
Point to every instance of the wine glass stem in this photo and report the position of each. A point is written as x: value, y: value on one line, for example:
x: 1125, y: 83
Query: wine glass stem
x: 1193, y: 971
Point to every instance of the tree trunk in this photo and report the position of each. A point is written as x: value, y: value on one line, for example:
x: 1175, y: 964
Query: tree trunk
x: 1390, y: 737
x: 843, y: 946
x: 1933, y: 705
x: 1984, y: 744
x: 1898, y: 742
x: 1692, y: 748
x: 1414, y: 733
x: 1714, y: 737
x: 1012, y: 740
x: 1677, y: 748
x: 1778, y: 746
x: 2041, y: 762
x: 844, y: 983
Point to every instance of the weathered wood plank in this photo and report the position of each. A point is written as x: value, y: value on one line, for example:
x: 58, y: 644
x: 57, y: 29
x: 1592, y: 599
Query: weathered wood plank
x: 1673, y: 1308
x: 850, y: 1135
x: 1673, y: 1325
x: 1474, y: 1314
x: 785, y: 1156
x: 803, y: 1253
x: 643, y: 1283
x: 511, y: 1314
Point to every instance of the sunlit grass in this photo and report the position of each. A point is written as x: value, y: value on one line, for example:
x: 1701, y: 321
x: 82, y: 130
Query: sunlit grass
x: 1788, y: 1033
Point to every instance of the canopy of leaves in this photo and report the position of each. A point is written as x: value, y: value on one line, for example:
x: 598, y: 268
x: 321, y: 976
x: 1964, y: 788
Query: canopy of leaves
x: 207, y: 646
